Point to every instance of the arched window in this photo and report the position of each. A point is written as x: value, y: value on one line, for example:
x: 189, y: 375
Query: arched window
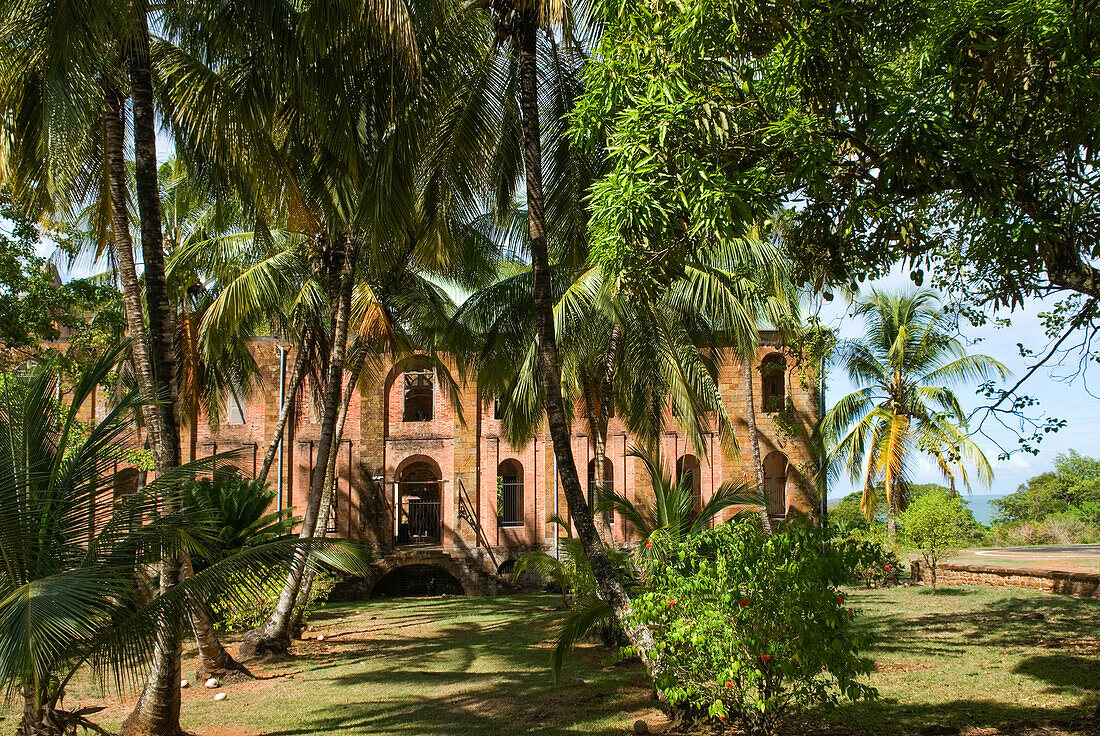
x: 688, y: 466
x: 419, y: 396
x: 775, y: 483
x: 773, y: 375
x: 608, y: 483
x: 510, y: 493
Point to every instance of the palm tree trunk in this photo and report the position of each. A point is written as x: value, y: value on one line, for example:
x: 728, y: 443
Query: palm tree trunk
x: 297, y: 375
x: 611, y: 589
x: 162, y: 332
x: 274, y: 636
x: 754, y: 442
x: 123, y: 246
x: 216, y: 661
x: 603, y: 420
x: 157, y: 712
x: 158, y: 708
x: 330, y: 494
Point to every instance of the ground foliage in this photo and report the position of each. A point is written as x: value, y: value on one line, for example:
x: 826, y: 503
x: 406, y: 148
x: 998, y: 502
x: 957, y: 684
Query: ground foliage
x: 754, y: 626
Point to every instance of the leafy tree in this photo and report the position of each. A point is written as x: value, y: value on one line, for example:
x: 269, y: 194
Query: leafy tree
x: 36, y: 308
x: 906, y: 364
x: 1073, y: 484
x: 936, y: 525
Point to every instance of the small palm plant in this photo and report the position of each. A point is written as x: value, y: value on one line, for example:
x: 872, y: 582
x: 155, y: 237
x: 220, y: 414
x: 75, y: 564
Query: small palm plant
x: 905, y: 363
x: 239, y: 511
x: 74, y: 586
x: 671, y: 515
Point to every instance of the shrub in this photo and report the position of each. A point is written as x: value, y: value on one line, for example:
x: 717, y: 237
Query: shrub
x: 752, y: 625
x: 875, y: 559
x: 936, y: 525
x: 231, y: 616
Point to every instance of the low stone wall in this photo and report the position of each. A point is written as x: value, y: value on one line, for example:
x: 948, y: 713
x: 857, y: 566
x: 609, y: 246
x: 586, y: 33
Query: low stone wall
x: 1086, y: 584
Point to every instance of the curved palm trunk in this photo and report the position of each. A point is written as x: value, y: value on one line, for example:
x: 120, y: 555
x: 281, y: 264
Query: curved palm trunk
x: 330, y: 495
x: 611, y: 589
x: 157, y: 712
x: 216, y: 660
x: 754, y: 442
x: 123, y: 247
x: 274, y: 636
x: 158, y: 708
x: 297, y: 375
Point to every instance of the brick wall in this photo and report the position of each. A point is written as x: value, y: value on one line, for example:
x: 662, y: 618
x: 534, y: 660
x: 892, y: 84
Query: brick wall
x: 464, y: 445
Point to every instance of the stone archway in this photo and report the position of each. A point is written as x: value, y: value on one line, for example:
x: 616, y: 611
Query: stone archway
x: 470, y: 577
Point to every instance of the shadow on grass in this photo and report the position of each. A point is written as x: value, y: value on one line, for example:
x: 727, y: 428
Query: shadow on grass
x: 971, y: 618
x: 451, y: 667
x: 949, y: 592
x: 1062, y: 672
x: 888, y: 716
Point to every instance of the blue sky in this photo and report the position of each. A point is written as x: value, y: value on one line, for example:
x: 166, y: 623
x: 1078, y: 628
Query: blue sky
x: 1058, y: 398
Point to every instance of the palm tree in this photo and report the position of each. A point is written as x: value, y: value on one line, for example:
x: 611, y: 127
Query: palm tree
x: 340, y: 142
x: 906, y: 363
x: 74, y: 584
x: 672, y: 515
x: 240, y: 512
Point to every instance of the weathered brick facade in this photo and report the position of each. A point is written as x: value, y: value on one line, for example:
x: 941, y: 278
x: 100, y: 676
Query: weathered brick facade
x: 455, y: 451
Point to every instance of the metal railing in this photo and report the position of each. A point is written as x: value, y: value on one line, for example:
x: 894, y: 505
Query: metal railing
x: 421, y: 522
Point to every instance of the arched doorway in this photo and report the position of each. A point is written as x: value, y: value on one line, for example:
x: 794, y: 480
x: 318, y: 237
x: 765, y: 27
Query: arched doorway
x: 775, y: 483
x: 688, y: 467
x: 420, y: 507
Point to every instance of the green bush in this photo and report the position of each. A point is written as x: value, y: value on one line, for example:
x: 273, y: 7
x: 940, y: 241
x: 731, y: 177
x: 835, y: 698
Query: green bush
x: 230, y: 616
x: 875, y: 559
x: 753, y: 626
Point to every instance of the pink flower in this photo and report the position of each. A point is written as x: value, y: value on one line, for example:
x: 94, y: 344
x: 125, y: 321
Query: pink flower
x: 729, y: 684
x: 648, y: 545
x: 672, y: 602
x: 887, y: 567
x: 765, y: 657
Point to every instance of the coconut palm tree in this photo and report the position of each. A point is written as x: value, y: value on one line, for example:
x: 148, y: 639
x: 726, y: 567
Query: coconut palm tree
x: 905, y: 363
x: 341, y: 141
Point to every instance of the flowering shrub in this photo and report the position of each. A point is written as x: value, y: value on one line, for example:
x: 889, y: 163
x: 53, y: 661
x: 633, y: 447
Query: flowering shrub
x: 875, y: 560
x: 751, y: 626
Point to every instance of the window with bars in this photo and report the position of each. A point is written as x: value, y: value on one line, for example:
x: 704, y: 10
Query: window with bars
x: 608, y: 483
x: 419, y: 396
x: 510, y: 493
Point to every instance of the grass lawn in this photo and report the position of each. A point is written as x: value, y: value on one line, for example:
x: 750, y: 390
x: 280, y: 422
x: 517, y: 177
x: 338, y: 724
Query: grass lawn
x: 447, y: 666
x: 968, y: 657
x: 975, y: 656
